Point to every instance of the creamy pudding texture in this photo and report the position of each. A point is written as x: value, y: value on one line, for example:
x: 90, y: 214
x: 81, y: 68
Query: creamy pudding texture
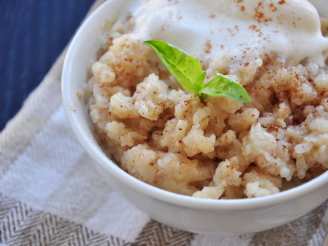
x: 215, y: 147
x: 289, y: 28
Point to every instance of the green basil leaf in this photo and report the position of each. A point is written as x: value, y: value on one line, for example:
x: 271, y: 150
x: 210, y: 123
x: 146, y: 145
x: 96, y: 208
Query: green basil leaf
x: 186, y: 69
x: 221, y: 85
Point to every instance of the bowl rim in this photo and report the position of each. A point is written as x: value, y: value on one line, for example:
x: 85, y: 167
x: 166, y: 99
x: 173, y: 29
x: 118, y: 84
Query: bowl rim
x: 150, y: 190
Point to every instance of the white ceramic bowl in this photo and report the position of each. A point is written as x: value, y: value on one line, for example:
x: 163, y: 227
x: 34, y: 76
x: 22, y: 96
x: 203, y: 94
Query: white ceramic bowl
x: 183, y: 212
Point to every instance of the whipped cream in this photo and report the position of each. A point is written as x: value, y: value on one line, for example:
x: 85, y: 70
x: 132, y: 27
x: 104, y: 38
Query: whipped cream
x: 208, y: 29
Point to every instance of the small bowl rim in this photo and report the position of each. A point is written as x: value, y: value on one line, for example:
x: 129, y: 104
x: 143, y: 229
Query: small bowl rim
x: 152, y: 191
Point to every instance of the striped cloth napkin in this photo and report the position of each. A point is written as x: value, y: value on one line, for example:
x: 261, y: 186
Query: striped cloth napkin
x: 49, y: 196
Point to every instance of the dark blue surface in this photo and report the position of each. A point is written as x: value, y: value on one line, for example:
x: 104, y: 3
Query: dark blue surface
x: 32, y: 35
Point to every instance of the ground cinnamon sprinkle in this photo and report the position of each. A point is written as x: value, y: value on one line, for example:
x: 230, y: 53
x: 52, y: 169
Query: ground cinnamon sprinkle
x: 208, y: 47
x: 259, y: 13
x: 241, y: 6
x: 273, y: 7
x: 256, y: 29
